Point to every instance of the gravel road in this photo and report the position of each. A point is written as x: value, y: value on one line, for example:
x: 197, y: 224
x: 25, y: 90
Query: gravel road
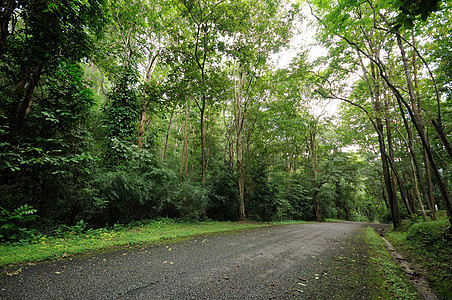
x: 278, y: 262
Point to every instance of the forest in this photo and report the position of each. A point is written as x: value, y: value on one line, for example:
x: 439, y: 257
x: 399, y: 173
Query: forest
x: 113, y: 112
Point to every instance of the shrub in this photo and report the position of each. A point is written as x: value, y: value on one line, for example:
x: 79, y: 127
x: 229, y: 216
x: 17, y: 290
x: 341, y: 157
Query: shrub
x: 190, y: 199
x: 12, y: 224
x: 223, y: 196
x: 432, y: 243
x: 427, y: 234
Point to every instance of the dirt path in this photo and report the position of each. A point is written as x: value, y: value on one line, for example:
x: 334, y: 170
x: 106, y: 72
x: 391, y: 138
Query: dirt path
x: 304, y: 261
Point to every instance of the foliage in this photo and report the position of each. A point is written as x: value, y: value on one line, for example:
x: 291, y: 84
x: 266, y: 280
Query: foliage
x: 12, y: 224
x: 393, y: 277
x: 429, y: 244
x: 262, y: 203
x: 47, y: 160
x: 223, y: 196
x: 298, y: 201
x: 190, y: 199
x: 136, y: 190
x: 410, y: 10
x: 119, y: 116
x: 84, y: 83
x: 428, y: 234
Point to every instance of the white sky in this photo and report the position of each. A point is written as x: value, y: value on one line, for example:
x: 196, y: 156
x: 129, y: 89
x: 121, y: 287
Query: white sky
x: 302, y: 41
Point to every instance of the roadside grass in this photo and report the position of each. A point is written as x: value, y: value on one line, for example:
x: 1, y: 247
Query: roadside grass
x: 428, y: 244
x: 388, y: 274
x: 333, y: 220
x: 71, y: 241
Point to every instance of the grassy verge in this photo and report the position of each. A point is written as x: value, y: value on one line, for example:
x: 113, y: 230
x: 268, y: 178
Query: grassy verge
x: 69, y: 243
x: 428, y: 245
x: 388, y: 273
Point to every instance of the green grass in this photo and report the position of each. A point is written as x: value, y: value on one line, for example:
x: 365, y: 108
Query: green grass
x: 427, y: 244
x: 389, y: 275
x: 69, y: 244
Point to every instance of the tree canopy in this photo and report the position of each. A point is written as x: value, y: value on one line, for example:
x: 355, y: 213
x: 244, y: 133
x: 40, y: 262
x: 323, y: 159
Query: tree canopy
x: 120, y: 111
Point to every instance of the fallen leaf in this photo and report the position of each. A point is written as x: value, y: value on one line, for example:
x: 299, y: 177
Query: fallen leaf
x: 124, y: 254
x: 270, y: 284
x: 302, y: 279
x: 17, y: 272
x: 165, y: 262
x: 57, y: 273
x: 302, y: 284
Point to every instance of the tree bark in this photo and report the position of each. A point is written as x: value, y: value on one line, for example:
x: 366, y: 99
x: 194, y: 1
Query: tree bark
x: 5, y: 22
x: 338, y: 200
x: 417, y: 121
x: 167, y: 132
x: 184, y: 154
x: 143, y: 115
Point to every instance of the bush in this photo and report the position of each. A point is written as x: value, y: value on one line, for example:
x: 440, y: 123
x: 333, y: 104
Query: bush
x: 428, y: 234
x: 65, y: 231
x: 431, y: 241
x: 385, y: 217
x: 12, y: 224
x: 190, y: 199
x: 223, y: 196
x: 298, y: 199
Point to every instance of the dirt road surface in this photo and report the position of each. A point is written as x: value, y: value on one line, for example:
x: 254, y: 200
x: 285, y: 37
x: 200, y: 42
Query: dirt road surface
x: 300, y: 261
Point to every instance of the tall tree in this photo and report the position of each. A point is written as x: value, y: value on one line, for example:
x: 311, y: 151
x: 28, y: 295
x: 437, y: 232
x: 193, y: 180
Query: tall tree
x: 260, y: 28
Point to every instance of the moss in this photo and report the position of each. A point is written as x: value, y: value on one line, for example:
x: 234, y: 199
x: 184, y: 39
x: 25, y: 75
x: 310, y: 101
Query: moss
x: 428, y: 244
x: 387, y: 271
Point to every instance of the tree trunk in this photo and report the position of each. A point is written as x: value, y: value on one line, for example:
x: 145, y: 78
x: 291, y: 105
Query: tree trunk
x: 389, y: 181
x: 239, y: 85
x: 184, y: 154
x: 427, y: 191
x: 143, y: 115
x: 8, y: 9
x: 316, y: 186
x: 338, y: 200
x: 420, y: 128
x: 428, y: 176
x: 24, y: 94
x: 374, y: 92
x: 318, y: 218
x: 203, y: 143
x: 167, y: 133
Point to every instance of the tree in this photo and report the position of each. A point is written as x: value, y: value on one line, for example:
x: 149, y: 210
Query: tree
x: 45, y: 103
x: 371, y: 50
x: 259, y: 29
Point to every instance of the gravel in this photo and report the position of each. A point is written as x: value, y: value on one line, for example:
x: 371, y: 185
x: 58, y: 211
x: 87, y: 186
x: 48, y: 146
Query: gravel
x: 299, y: 261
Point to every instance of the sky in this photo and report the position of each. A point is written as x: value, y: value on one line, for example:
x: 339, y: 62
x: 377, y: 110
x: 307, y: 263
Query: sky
x: 305, y: 40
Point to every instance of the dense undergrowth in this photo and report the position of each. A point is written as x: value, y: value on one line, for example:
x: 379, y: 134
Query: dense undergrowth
x: 429, y: 244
